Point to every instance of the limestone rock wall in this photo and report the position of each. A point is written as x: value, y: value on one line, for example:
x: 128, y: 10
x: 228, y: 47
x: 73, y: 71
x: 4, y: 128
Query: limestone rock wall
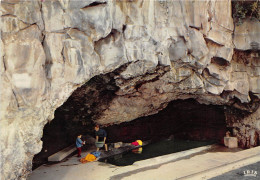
x: 49, y: 48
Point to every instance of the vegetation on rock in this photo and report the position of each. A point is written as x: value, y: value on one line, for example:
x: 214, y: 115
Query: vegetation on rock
x: 245, y: 9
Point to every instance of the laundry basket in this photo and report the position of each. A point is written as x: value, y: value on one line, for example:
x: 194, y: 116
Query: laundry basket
x: 99, y: 144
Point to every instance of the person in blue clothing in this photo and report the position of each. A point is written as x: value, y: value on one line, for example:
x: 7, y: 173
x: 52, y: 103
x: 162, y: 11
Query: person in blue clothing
x: 101, y: 135
x: 79, y: 144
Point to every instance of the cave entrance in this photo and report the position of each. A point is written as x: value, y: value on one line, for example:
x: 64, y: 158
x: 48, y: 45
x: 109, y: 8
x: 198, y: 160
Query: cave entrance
x: 182, y: 119
x: 75, y: 116
x: 58, y: 134
x: 182, y: 125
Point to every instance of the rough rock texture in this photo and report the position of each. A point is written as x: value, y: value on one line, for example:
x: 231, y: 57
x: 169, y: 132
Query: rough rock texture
x: 245, y: 126
x: 171, y: 50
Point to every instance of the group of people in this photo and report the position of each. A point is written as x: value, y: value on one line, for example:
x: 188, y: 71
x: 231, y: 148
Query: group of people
x: 101, y: 136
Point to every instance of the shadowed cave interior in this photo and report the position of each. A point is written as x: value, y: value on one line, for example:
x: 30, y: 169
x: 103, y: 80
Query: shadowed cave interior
x: 184, y: 119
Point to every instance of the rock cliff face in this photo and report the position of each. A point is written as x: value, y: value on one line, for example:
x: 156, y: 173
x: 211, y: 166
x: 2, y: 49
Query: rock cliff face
x: 155, y: 52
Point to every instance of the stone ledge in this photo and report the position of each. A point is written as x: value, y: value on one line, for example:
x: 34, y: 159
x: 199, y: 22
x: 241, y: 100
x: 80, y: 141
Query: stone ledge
x: 59, y: 156
x: 171, y: 157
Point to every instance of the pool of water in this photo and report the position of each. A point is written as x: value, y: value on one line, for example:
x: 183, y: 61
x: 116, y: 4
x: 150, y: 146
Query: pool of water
x: 153, y: 150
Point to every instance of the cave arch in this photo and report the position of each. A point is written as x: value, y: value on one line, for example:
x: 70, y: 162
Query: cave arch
x: 185, y: 119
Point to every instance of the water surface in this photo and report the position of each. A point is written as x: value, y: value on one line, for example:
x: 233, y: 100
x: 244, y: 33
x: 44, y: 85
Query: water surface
x: 153, y: 150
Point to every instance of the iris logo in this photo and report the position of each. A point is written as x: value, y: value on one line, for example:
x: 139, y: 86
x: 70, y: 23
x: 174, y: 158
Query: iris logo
x: 252, y: 173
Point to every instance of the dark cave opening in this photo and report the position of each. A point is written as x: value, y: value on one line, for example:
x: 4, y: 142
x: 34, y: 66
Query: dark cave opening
x: 58, y: 134
x: 183, y: 119
x: 75, y: 116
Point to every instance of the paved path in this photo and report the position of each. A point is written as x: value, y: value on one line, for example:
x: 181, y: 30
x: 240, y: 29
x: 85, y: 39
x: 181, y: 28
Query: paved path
x: 242, y: 173
x: 201, y: 166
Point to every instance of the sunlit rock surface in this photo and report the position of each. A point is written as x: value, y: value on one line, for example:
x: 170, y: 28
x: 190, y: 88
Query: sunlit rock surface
x: 168, y: 50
